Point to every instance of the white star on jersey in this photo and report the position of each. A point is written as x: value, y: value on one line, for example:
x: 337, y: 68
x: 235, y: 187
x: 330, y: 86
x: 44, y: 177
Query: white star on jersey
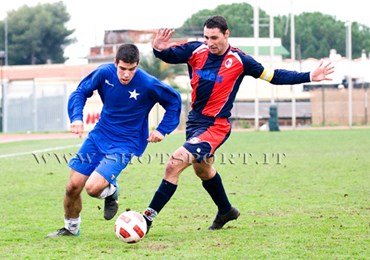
x: 133, y: 94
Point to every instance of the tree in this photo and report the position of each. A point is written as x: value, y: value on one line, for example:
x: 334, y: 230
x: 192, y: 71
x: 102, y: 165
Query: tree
x: 238, y: 15
x: 315, y: 33
x: 360, y: 39
x: 37, y: 35
x: 162, y: 70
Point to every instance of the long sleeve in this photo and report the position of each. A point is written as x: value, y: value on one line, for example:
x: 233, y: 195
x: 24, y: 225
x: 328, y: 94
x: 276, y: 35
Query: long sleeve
x: 277, y: 76
x: 170, y: 100
x: 178, y: 53
x: 76, y: 103
x: 282, y: 76
x: 77, y: 99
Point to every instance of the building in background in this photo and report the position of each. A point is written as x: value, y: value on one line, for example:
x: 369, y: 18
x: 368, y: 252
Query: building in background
x: 36, y: 96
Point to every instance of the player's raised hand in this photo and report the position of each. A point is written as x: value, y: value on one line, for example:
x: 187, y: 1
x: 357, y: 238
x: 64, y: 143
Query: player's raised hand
x: 155, y: 137
x: 77, y: 127
x: 162, y: 39
x: 322, y: 71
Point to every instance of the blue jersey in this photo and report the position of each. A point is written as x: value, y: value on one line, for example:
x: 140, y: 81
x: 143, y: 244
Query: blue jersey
x: 215, y: 80
x: 124, y: 116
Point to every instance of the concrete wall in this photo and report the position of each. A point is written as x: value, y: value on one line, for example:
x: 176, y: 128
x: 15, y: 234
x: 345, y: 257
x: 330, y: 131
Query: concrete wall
x: 330, y: 106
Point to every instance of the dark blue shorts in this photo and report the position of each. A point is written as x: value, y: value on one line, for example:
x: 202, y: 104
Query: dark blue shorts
x: 90, y: 158
x: 204, y: 135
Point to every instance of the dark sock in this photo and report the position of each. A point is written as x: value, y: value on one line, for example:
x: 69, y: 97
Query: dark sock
x: 160, y: 198
x: 216, y: 190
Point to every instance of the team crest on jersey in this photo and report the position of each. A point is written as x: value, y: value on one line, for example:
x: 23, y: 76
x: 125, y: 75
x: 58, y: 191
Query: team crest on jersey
x: 228, y: 63
x: 194, y: 140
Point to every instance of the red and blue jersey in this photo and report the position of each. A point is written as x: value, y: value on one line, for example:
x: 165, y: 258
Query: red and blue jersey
x: 215, y: 79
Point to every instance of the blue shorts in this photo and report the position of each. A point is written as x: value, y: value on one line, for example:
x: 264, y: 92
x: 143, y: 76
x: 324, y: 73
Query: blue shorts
x: 90, y: 158
x: 204, y: 135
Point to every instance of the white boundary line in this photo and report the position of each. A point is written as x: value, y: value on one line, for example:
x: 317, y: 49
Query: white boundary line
x: 39, y: 151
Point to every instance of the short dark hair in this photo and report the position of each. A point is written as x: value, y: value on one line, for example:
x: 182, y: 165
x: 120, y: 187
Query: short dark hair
x: 128, y: 53
x: 216, y: 21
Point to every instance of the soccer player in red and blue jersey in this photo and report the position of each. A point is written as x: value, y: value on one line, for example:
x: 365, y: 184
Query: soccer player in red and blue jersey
x: 216, y: 70
x: 128, y: 94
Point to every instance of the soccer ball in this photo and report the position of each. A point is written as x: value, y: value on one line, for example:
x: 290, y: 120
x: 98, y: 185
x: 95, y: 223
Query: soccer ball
x: 130, y: 226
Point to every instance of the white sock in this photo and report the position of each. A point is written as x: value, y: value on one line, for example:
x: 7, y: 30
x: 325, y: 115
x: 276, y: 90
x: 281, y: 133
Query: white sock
x: 109, y: 190
x: 72, y: 224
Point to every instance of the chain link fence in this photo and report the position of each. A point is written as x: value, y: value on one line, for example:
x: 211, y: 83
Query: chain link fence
x: 30, y: 106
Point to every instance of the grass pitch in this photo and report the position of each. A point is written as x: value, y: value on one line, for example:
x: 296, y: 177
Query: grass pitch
x: 301, y: 194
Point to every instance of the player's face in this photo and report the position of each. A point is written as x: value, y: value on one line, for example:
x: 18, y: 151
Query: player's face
x: 217, y: 41
x: 125, y: 71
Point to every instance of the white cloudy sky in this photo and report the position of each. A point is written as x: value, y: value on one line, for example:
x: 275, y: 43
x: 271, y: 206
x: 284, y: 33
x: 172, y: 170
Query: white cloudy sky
x: 92, y: 18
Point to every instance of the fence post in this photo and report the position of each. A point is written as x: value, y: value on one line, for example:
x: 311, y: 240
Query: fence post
x: 2, y: 59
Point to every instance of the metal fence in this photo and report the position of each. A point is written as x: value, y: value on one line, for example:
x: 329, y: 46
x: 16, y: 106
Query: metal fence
x: 37, y: 106
x: 27, y: 108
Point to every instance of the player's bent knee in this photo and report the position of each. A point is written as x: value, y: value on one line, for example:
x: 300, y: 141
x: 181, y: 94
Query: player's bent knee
x: 204, y: 176
x: 75, y: 184
x: 73, y: 189
x: 93, y: 190
x: 175, y: 167
x: 204, y: 171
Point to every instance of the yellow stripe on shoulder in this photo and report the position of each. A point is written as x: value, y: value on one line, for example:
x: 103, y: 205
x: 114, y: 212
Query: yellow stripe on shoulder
x: 267, y: 75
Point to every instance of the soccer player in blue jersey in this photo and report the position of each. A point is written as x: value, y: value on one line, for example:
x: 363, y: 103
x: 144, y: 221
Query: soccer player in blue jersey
x: 216, y: 70
x: 128, y: 94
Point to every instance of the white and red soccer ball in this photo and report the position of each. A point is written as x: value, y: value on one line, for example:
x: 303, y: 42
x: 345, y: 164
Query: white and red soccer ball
x: 130, y: 227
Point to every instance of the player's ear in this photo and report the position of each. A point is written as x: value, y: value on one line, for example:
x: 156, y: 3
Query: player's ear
x: 115, y: 62
x: 227, y: 33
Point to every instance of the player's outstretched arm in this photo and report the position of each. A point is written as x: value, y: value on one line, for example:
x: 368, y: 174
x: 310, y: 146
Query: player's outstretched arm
x: 322, y: 72
x: 155, y: 137
x: 162, y: 39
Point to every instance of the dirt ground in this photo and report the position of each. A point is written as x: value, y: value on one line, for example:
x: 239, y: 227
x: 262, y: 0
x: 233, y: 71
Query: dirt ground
x: 6, y: 138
